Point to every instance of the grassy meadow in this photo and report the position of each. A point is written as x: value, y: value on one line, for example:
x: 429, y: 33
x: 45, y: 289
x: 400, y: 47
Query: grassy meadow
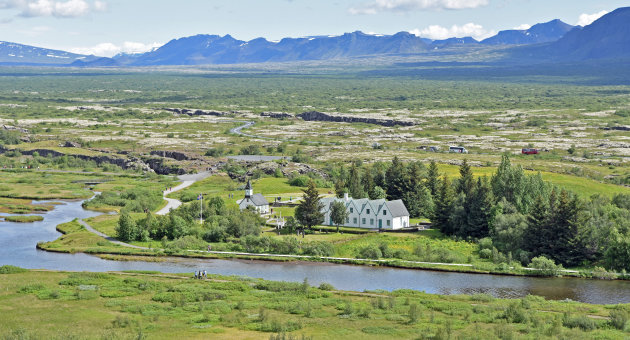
x: 132, y: 305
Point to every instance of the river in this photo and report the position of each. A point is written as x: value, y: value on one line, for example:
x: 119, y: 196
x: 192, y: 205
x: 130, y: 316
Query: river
x: 18, y: 240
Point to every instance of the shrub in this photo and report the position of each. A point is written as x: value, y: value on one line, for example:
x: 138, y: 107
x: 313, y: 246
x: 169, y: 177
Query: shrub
x: 618, y: 318
x: 299, y: 181
x: 8, y: 269
x: 545, y: 266
x: 326, y: 286
x: 187, y: 242
x: 370, y: 252
x: 318, y: 248
x: 582, y: 322
x: 485, y: 253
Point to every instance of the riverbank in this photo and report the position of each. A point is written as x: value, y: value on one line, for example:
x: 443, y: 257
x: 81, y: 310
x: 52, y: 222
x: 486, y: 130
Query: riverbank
x: 43, y: 304
x: 77, y: 238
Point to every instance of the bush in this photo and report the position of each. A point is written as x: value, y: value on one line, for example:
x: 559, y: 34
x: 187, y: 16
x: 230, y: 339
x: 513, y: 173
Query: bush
x: 485, y: 253
x: 299, y: 181
x: 545, y: 266
x: 618, y: 318
x: 370, y: 252
x: 582, y: 322
x: 326, y: 286
x: 187, y: 242
x: 318, y: 248
x: 8, y: 269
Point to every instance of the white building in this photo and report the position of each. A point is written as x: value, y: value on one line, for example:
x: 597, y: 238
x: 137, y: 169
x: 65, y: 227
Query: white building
x: 258, y: 201
x: 370, y: 214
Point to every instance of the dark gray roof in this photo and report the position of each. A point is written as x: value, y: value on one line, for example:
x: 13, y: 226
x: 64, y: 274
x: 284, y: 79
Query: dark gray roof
x: 259, y: 200
x: 397, y: 208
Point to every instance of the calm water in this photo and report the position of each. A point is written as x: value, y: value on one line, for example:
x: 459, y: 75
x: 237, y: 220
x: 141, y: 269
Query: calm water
x: 17, y: 247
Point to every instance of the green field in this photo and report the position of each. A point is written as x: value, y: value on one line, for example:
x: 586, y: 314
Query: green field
x: 40, y: 304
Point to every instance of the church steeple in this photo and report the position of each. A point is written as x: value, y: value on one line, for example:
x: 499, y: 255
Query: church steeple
x: 248, y: 189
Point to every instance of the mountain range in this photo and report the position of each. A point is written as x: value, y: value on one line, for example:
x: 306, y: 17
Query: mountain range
x: 607, y: 37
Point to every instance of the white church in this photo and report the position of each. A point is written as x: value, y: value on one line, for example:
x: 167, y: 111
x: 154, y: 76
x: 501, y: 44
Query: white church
x: 258, y: 201
x: 370, y: 214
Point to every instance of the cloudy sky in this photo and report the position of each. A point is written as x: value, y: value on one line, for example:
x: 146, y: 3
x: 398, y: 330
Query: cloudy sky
x: 107, y: 27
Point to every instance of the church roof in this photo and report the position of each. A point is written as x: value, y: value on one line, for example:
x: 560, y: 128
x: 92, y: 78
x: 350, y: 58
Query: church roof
x: 259, y: 200
x: 249, y: 185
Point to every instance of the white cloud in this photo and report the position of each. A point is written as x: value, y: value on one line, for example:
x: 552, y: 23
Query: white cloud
x: 377, y: 6
x: 437, y: 32
x: 110, y: 50
x: 523, y: 27
x: 587, y: 19
x: 53, y: 8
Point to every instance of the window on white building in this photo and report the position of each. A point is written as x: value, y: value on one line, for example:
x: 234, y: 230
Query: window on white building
x: 371, y: 221
x: 354, y: 220
x: 347, y: 219
x: 363, y: 220
x: 368, y: 211
x: 351, y: 210
x: 384, y: 212
x: 389, y: 223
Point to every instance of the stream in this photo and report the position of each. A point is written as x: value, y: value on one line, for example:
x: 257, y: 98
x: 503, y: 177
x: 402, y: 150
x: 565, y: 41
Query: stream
x: 18, y: 241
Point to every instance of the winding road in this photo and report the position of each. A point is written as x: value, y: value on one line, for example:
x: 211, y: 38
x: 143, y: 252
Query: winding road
x: 187, y: 180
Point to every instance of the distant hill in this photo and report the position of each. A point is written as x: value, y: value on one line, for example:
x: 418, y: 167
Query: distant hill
x: 606, y: 38
x: 12, y: 53
x: 214, y: 49
x: 455, y: 41
x: 539, y: 33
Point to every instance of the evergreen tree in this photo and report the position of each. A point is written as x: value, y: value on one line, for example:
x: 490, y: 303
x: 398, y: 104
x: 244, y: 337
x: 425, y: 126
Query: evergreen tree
x: 355, y: 189
x: 367, y: 180
x: 538, y: 232
x: 479, y: 211
x: 466, y: 181
x: 444, y: 207
x: 309, y: 212
x: 395, y: 180
x: 340, y: 188
x: 566, y: 247
x: 433, y: 180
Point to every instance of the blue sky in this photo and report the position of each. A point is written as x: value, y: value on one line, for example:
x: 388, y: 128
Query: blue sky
x: 106, y: 27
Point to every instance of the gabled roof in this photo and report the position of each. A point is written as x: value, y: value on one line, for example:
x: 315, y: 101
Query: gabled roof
x: 397, y: 208
x: 258, y: 200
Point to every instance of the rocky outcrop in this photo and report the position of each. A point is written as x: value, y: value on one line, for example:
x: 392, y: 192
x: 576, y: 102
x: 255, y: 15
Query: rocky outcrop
x: 195, y: 112
x: 277, y: 115
x: 157, y: 165
x: 618, y: 128
x: 69, y: 144
x: 323, y: 117
x: 180, y: 156
x: 14, y: 128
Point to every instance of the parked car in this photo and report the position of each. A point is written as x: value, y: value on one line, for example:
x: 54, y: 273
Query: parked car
x: 529, y: 151
x: 457, y: 149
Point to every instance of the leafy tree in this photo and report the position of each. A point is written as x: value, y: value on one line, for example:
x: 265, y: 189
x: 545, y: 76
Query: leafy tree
x: 338, y: 213
x: 508, y: 228
x: 617, y: 256
x: 126, y: 228
x: 509, y: 183
x: 309, y: 212
x: 378, y: 193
